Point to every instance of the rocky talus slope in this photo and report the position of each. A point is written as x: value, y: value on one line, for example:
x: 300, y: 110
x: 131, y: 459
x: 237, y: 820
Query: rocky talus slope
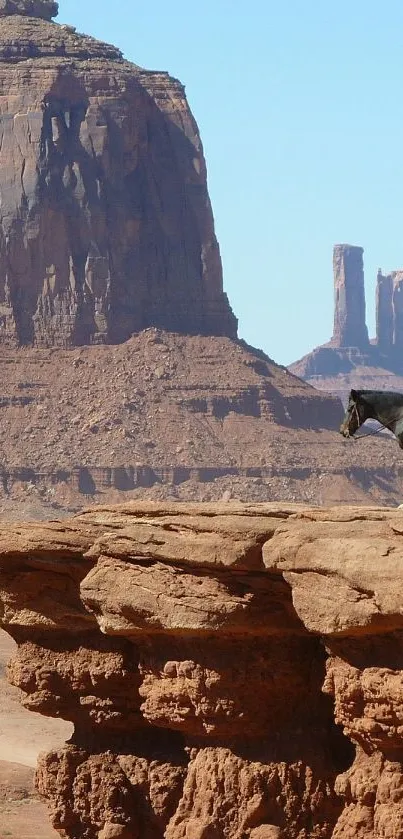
x: 177, y: 417
x: 232, y: 671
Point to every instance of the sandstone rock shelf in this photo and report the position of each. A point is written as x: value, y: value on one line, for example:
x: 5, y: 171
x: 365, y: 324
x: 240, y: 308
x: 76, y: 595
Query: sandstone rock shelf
x: 232, y: 671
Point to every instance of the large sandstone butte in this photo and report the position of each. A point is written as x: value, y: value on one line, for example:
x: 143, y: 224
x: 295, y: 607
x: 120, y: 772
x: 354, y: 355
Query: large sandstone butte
x: 349, y: 359
x: 105, y: 229
x: 105, y: 220
x: 232, y: 671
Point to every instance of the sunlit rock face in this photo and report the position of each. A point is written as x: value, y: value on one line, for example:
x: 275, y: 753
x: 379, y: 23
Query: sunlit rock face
x: 106, y: 226
x: 231, y: 670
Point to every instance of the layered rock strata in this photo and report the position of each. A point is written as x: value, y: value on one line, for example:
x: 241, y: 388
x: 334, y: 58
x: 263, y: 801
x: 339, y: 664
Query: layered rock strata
x: 105, y: 220
x: 189, y: 417
x: 232, y: 672
x: 172, y: 416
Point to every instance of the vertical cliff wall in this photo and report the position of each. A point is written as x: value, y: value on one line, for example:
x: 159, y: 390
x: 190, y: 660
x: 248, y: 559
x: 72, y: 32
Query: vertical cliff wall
x: 105, y: 220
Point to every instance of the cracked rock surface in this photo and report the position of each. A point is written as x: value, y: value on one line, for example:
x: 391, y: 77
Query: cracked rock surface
x: 232, y: 671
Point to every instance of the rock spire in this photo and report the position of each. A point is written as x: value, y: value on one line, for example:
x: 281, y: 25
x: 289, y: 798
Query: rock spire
x: 384, y: 311
x: 349, y: 359
x: 349, y: 312
x: 389, y: 311
x: 45, y: 9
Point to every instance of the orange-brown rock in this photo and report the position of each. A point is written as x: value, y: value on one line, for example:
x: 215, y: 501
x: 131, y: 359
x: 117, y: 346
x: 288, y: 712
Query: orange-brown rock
x: 232, y: 671
x: 189, y: 417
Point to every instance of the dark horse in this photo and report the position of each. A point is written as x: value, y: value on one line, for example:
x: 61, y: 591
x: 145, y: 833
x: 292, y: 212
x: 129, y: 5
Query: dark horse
x: 382, y: 405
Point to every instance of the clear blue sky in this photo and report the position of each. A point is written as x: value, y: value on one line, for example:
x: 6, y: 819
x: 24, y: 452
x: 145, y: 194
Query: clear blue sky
x: 299, y: 104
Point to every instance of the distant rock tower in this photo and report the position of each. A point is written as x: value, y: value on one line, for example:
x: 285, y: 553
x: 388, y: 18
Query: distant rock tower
x: 384, y: 311
x: 349, y: 351
x: 350, y: 329
x: 398, y: 309
x: 389, y: 311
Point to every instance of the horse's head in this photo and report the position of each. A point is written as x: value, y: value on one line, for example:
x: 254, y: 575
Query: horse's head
x: 355, y: 415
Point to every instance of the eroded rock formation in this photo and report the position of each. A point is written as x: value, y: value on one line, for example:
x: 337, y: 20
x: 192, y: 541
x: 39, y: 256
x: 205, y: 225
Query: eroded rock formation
x: 105, y: 221
x: 384, y: 311
x: 350, y: 329
x: 211, y: 658
x: 389, y: 311
x: 349, y: 359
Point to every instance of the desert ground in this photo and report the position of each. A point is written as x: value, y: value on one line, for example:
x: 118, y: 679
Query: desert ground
x: 22, y: 736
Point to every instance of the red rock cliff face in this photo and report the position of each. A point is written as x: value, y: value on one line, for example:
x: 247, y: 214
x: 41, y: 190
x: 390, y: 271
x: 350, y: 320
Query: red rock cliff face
x: 210, y: 658
x: 105, y: 221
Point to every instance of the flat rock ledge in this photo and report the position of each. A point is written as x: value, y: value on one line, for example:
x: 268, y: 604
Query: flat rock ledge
x: 232, y: 671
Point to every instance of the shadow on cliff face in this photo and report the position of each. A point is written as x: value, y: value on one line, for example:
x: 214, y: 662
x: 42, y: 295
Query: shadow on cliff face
x: 304, y: 726
x: 86, y: 483
x: 116, y: 233
x: 379, y: 479
x: 294, y: 411
x: 382, y: 650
